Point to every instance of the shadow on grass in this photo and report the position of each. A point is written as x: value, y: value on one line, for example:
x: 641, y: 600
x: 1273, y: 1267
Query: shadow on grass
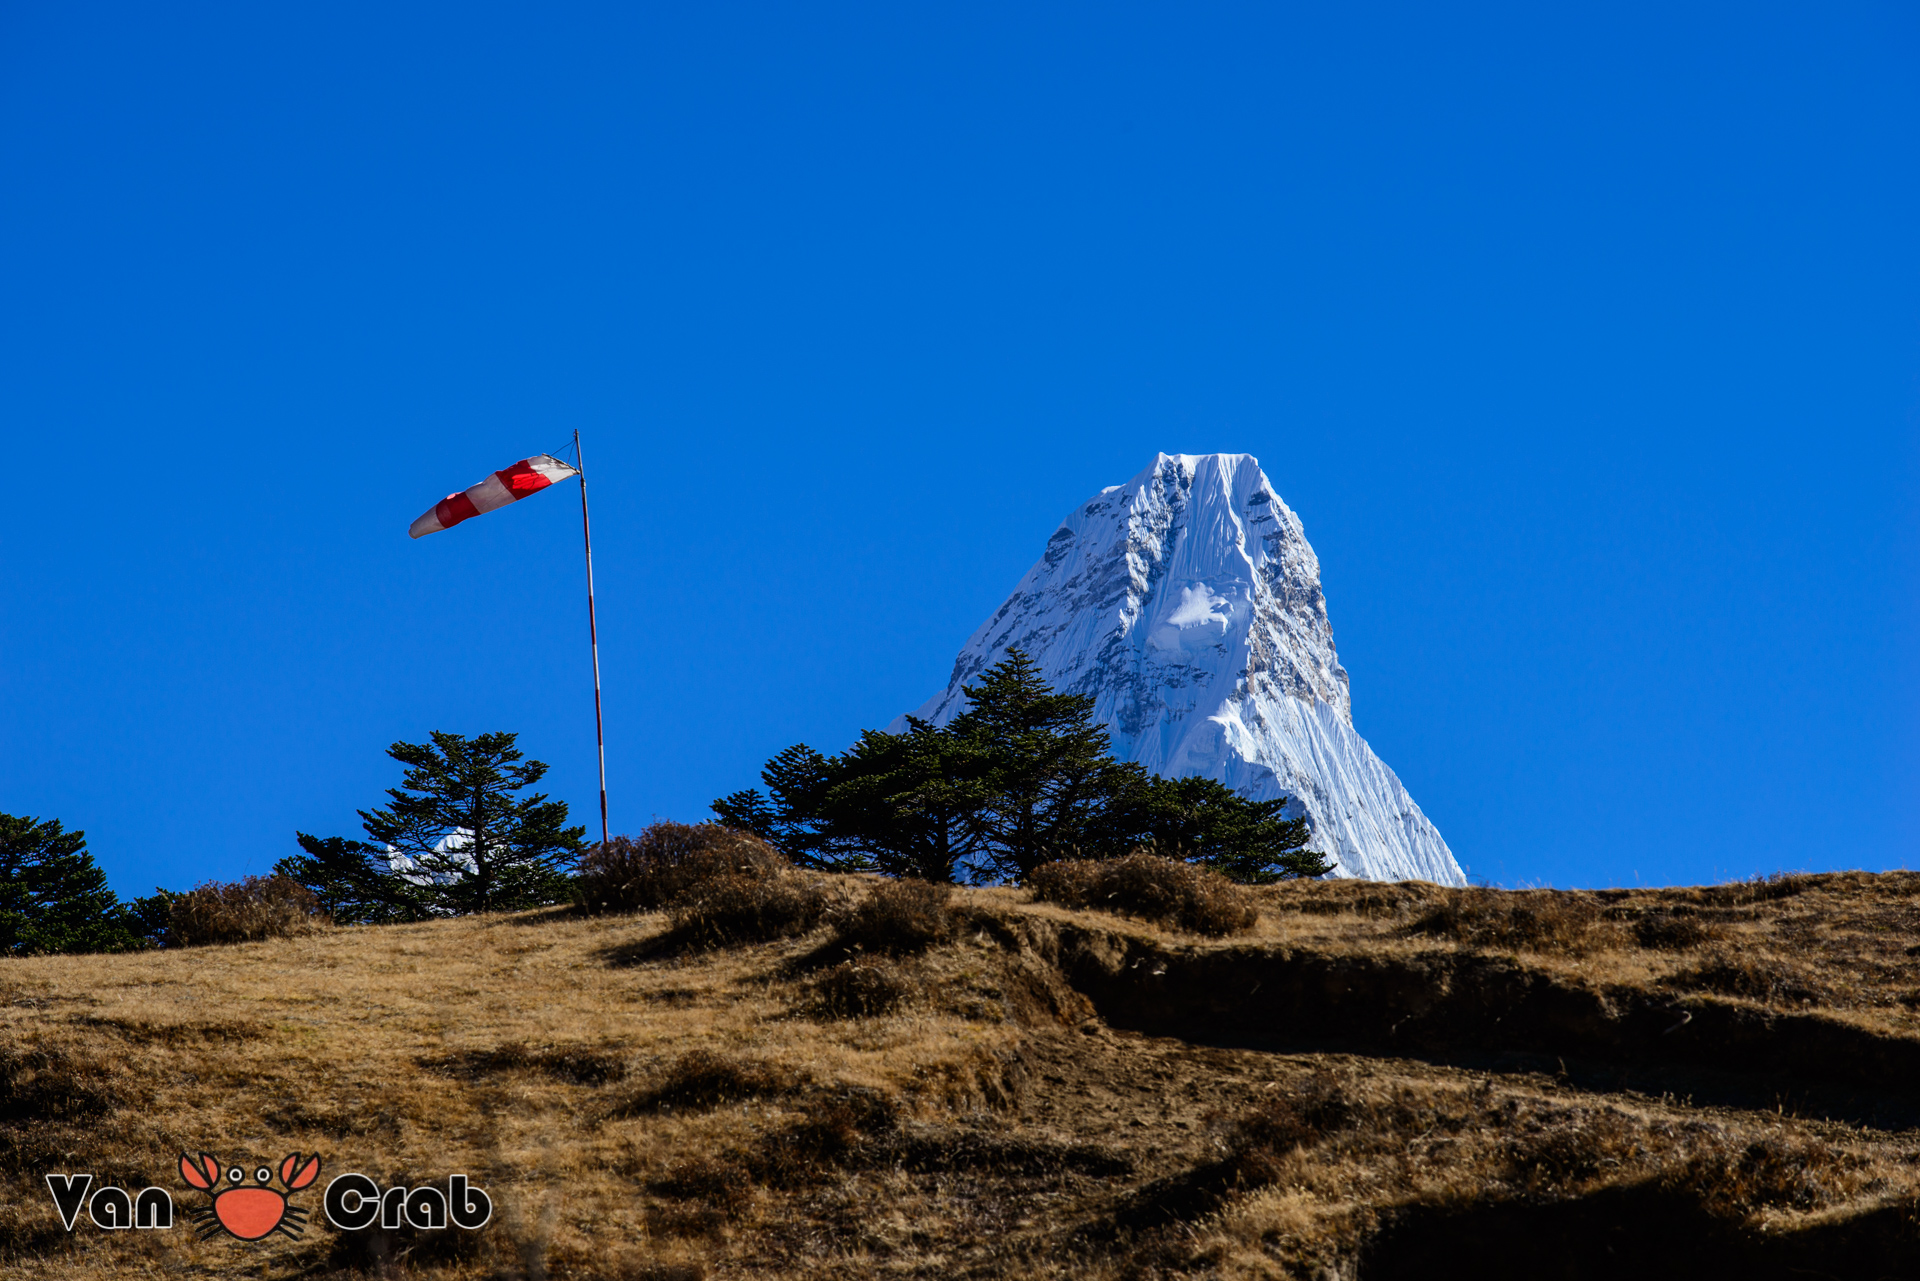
x: 1640, y: 1232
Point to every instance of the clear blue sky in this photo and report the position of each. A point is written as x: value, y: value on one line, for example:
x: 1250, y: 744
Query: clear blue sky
x: 1583, y: 338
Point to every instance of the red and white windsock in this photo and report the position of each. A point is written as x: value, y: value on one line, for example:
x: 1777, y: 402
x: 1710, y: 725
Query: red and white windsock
x: 528, y: 476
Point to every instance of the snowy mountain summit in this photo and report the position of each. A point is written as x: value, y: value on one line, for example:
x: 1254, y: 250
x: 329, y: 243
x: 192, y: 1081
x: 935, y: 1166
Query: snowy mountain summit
x: 1188, y: 603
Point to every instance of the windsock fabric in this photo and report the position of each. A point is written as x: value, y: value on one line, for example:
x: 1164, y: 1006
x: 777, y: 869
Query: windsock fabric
x: 528, y: 476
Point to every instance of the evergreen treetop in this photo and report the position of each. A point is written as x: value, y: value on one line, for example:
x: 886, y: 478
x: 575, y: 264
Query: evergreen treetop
x: 53, y: 896
x: 1021, y: 777
x: 454, y: 838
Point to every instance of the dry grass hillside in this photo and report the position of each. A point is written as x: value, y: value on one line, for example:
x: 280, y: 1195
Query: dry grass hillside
x: 1375, y: 1081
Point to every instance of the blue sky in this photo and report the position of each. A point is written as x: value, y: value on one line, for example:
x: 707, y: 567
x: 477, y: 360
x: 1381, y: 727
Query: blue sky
x: 1582, y: 338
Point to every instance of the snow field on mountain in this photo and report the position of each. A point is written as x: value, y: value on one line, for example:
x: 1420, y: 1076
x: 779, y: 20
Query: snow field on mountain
x: 1187, y: 602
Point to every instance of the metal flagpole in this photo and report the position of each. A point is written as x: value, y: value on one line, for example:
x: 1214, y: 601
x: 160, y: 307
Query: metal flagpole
x: 593, y: 635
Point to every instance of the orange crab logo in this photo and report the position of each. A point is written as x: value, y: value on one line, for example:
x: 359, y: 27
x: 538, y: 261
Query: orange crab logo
x: 249, y: 1209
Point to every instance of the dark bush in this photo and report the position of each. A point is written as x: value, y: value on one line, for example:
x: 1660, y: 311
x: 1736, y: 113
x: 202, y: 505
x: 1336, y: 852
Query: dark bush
x: 739, y: 908
x: 861, y: 989
x: 1260, y: 1139
x: 244, y: 911
x: 1535, y: 920
x: 898, y: 918
x: 1182, y: 895
x: 1732, y: 974
x: 580, y: 1064
x: 668, y: 861
x: 807, y: 1150
x: 1572, y: 1148
x: 1774, y: 1173
x: 381, y: 1251
x: 1675, y: 932
x: 702, y: 1080
x: 47, y: 1083
x: 722, y: 1185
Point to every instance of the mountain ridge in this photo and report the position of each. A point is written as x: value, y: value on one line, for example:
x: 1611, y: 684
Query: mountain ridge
x: 1187, y: 602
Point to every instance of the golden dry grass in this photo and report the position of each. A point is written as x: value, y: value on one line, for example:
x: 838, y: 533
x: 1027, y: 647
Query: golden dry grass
x: 638, y: 1109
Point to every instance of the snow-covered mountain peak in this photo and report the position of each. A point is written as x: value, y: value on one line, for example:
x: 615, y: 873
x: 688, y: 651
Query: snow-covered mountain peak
x: 1187, y: 602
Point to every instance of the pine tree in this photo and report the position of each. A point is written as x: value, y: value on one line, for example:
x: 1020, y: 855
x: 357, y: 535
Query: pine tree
x: 1050, y: 786
x: 53, y: 896
x: 464, y: 842
x: 789, y: 815
x: 909, y: 802
x: 1253, y: 842
x: 1020, y: 778
x: 354, y: 881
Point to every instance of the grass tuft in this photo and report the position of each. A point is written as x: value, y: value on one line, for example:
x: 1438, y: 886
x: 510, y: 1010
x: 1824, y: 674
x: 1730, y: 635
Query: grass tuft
x: 702, y: 1080
x: 667, y: 862
x: 1163, y: 890
x: 578, y: 1064
x: 898, y: 918
x: 1564, y: 921
x: 738, y: 908
x: 808, y: 1150
x: 249, y: 910
x: 1675, y: 932
x: 861, y: 990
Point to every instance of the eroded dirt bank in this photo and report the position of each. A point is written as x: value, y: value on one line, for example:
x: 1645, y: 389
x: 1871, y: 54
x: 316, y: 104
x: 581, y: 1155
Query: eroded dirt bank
x: 1491, y: 1011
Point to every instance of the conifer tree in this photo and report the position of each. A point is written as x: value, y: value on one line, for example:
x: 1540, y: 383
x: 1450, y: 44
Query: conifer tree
x: 1021, y: 777
x: 908, y: 802
x: 1050, y: 786
x: 53, y: 896
x: 1200, y: 820
x: 454, y: 838
x: 354, y: 881
x: 898, y: 804
x: 789, y: 814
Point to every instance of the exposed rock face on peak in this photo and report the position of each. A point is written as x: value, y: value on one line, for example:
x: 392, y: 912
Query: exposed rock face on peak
x: 1187, y: 602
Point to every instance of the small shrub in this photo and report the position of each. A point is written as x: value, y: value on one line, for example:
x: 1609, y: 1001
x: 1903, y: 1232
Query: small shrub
x: 1759, y: 889
x: 1257, y: 1143
x: 1260, y: 1139
x: 1375, y: 900
x: 1772, y: 1173
x: 1674, y: 932
x: 47, y: 1083
x: 1572, y: 1149
x: 580, y: 1064
x: 702, y: 1080
x: 244, y: 911
x: 807, y: 1150
x: 1750, y: 977
x: 656, y: 1271
x: 898, y: 918
x: 721, y: 1183
x: 736, y: 909
x: 667, y: 862
x: 1533, y: 920
x: 1182, y: 895
x: 861, y: 989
